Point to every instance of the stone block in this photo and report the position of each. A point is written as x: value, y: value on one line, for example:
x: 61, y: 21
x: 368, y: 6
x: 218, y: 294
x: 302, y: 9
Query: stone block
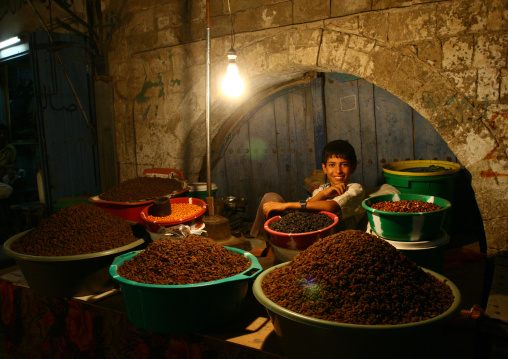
x: 490, y: 50
x: 503, y: 92
x: 265, y: 17
x: 495, y: 116
x: 459, y: 17
x: 240, y: 5
x: 488, y: 85
x: 347, y: 24
x: 464, y: 81
x: 387, y: 4
x: 458, y: 53
x: 497, y: 16
x: 415, y: 23
x: 472, y: 143
x: 220, y: 26
x: 170, y: 14
x: 333, y: 49
x: 306, y: 11
x: 374, y: 25
x: 141, y: 22
x: 430, y: 52
x: 357, y: 62
x: 342, y: 8
x: 169, y: 37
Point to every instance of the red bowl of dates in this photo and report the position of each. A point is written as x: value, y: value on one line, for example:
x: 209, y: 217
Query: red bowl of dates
x: 299, y: 240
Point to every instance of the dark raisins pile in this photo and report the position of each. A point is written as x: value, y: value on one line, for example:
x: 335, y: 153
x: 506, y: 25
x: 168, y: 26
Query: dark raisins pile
x: 81, y: 228
x: 195, y: 259
x: 406, y: 206
x: 142, y: 188
x: 354, y: 277
x: 301, y: 222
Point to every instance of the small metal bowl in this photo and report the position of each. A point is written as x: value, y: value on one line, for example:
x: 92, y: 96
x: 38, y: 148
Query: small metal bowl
x: 234, y: 202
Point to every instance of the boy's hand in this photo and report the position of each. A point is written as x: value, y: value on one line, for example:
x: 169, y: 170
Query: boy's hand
x: 335, y: 190
x: 273, y: 206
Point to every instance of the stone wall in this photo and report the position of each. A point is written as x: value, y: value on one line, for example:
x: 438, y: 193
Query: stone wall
x: 447, y: 59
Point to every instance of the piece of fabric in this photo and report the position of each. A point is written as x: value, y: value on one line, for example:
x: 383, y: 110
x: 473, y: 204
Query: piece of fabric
x: 258, y: 230
x: 350, y: 203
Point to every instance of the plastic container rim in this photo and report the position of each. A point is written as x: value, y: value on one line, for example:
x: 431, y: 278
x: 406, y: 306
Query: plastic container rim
x: 333, y: 216
x: 255, y: 266
x: 325, y: 324
x: 77, y: 257
x: 404, y: 196
x: 414, y: 163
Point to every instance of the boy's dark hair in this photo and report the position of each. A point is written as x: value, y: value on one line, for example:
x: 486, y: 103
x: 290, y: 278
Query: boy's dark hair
x: 341, y: 149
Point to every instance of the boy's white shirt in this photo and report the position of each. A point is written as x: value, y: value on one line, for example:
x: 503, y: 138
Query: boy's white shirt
x: 350, y: 203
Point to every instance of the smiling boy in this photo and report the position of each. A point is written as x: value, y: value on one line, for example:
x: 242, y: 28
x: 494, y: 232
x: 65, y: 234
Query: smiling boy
x: 338, y: 195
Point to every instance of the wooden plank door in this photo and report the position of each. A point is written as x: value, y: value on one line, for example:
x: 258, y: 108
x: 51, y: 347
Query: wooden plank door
x: 381, y: 127
x: 68, y: 138
x: 273, y: 148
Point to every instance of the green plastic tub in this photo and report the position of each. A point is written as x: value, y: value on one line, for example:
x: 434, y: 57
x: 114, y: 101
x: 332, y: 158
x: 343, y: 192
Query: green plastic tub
x: 433, y: 178
x: 428, y: 254
x: 304, y: 337
x: 188, y: 308
x: 396, y: 226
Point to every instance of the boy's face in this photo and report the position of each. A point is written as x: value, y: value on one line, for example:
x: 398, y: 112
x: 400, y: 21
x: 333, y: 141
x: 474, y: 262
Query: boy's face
x: 338, y: 170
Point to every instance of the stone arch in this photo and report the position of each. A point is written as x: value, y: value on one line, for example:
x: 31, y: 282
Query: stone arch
x: 397, y: 69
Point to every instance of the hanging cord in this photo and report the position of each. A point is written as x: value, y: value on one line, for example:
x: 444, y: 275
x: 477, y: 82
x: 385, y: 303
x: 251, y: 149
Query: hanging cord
x: 63, y: 66
x: 232, y: 30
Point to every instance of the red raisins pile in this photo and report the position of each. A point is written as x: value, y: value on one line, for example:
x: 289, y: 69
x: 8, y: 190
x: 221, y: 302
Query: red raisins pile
x: 81, y: 228
x: 354, y: 277
x: 301, y: 222
x: 142, y: 188
x: 405, y: 206
x: 195, y: 259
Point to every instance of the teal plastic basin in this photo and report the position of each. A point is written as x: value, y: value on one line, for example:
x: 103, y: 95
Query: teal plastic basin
x: 187, y: 308
x: 406, y: 226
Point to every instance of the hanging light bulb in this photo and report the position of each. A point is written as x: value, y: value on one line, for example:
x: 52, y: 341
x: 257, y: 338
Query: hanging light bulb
x: 232, y: 85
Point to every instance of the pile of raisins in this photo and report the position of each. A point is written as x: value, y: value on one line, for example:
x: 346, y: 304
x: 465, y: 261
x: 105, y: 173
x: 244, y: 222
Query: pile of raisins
x: 142, y: 188
x: 354, y: 277
x: 301, y: 222
x: 80, y: 228
x: 195, y: 259
x: 406, y: 206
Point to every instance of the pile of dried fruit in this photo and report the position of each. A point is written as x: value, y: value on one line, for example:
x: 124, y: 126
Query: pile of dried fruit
x: 142, y: 188
x: 406, y: 206
x: 354, y: 277
x: 301, y: 222
x: 81, y: 228
x: 195, y: 259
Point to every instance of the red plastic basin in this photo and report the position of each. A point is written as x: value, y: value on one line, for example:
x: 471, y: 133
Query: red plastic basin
x: 299, y: 240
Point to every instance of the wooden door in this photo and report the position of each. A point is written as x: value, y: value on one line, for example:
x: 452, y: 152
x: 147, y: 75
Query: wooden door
x: 278, y: 145
x: 67, y: 136
x: 381, y: 127
x: 273, y: 148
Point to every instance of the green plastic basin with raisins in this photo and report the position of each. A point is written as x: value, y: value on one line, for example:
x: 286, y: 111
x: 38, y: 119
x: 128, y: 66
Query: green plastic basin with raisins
x: 420, y: 226
x: 186, y: 308
x: 305, y: 337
